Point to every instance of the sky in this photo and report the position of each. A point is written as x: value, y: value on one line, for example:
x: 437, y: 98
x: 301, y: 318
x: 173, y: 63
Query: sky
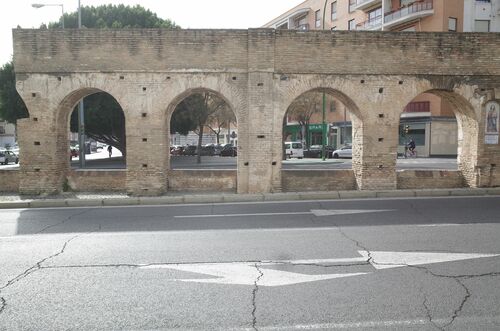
x: 195, y: 14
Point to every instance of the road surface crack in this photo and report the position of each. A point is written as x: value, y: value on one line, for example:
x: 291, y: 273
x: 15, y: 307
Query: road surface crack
x: 254, y: 297
x: 64, y: 221
x: 33, y: 269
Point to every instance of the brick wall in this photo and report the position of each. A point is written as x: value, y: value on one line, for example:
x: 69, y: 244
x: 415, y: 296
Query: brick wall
x: 97, y: 180
x: 9, y: 180
x: 317, y: 180
x: 202, y: 180
x: 430, y: 179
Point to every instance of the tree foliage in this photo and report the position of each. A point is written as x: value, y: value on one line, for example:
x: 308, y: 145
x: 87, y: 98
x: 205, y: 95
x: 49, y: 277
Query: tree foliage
x: 12, y: 106
x: 194, y: 113
x: 115, y: 17
x: 104, y: 120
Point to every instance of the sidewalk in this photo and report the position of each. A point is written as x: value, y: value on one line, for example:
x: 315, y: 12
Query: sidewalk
x: 118, y: 199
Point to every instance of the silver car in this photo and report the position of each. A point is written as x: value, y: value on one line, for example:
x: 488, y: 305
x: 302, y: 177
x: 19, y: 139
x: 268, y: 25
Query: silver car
x: 7, y: 157
x: 345, y: 151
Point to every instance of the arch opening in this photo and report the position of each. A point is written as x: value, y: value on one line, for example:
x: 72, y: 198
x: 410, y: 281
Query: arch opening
x: 105, y: 141
x: 320, y: 136
x: 437, y: 132
x: 203, y: 142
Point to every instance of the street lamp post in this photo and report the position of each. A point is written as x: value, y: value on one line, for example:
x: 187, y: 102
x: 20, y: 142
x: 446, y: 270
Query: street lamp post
x: 40, y: 5
x: 323, y: 125
x: 81, y: 116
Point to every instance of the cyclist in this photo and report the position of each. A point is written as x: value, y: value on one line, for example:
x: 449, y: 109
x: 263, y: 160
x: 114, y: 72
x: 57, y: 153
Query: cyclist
x: 411, y: 147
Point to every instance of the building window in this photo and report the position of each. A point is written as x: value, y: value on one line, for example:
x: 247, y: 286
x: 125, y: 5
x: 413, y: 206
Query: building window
x: 351, y: 25
x: 375, y: 16
x: 452, y: 24
x: 352, y: 3
x: 317, y: 16
x: 2, y: 130
x: 482, y: 26
x: 334, y: 10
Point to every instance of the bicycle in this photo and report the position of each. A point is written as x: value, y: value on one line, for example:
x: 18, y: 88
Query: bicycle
x: 410, y: 154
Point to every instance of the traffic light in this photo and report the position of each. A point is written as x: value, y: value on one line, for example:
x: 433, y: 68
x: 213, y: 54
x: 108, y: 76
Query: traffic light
x: 407, y: 129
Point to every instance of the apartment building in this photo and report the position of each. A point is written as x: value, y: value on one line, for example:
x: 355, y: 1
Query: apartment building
x: 431, y: 120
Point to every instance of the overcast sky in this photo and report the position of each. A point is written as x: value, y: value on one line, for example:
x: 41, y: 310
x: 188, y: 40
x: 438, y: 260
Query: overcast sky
x: 196, y: 14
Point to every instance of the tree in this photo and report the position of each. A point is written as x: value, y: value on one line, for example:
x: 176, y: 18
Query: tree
x: 198, y: 109
x: 102, y: 124
x: 302, y: 109
x: 12, y: 106
x: 220, y: 119
x: 116, y: 17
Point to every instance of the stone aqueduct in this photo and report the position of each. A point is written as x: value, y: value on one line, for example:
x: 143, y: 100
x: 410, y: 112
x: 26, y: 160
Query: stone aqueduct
x: 259, y: 72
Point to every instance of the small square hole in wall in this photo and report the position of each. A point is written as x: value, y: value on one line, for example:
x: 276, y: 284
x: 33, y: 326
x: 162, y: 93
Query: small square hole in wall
x: 246, y: 163
x: 400, y: 82
x: 59, y: 78
x: 380, y: 166
x: 144, y: 114
x: 35, y: 119
x: 168, y: 77
x: 144, y: 165
x: 122, y: 77
x: 381, y: 90
x: 144, y: 139
x: 260, y: 84
x: 33, y: 95
x: 37, y: 143
x: 37, y: 169
x: 273, y: 163
x: 380, y: 139
x: 260, y: 136
x: 362, y: 81
x: 143, y: 88
x: 380, y: 115
x: 234, y: 77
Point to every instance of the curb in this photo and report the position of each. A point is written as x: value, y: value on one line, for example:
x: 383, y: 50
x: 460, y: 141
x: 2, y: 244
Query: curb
x: 228, y: 198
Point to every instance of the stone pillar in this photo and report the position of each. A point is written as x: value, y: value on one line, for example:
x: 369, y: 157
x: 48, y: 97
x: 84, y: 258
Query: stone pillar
x: 147, y: 146
x: 259, y: 157
x: 42, y: 163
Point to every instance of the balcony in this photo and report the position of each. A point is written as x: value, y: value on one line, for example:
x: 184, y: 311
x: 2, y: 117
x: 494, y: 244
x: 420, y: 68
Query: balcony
x: 373, y: 24
x: 364, y: 4
x: 416, y: 10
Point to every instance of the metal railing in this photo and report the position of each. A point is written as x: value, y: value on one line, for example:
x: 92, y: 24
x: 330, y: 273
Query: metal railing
x: 370, y: 24
x: 415, y: 7
x: 357, y: 3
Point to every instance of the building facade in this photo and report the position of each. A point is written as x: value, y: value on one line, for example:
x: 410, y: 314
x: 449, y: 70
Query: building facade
x: 398, y: 15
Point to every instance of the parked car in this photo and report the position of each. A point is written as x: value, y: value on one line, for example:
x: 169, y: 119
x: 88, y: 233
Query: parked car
x: 229, y: 150
x: 189, y: 150
x: 345, y: 151
x: 176, y: 150
x: 294, y: 149
x: 7, y: 157
x: 315, y: 151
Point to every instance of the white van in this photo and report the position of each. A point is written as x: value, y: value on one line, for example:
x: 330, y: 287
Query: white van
x: 294, y: 149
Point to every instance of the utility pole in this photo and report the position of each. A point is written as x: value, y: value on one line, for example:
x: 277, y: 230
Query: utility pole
x: 323, y: 125
x: 81, y: 116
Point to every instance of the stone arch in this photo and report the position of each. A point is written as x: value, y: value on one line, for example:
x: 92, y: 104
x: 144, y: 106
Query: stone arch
x: 467, y: 122
x: 62, y: 122
x: 340, y: 89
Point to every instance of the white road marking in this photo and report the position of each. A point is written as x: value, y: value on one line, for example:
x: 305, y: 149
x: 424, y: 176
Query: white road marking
x: 247, y: 273
x: 315, y: 212
x: 387, y: 260
x: 438, y: 225
x: 484, y: 320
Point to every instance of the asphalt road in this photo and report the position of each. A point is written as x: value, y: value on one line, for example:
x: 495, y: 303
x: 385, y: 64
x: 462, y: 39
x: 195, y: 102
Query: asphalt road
x: 381, y: 264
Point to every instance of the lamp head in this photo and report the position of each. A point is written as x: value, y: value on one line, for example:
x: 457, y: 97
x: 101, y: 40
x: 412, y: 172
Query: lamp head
x: 37, y: 5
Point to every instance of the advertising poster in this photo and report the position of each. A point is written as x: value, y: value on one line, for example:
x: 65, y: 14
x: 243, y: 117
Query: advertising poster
x: 492, y: 122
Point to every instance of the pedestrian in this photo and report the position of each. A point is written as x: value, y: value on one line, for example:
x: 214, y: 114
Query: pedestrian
x: 110, y: 150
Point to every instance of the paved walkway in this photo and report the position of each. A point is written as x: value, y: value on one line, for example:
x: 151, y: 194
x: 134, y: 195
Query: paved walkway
x: 117, y: 199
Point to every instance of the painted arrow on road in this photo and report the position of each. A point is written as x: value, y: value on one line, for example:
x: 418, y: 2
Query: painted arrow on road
x: 252, y: 273
x: 315, y: 212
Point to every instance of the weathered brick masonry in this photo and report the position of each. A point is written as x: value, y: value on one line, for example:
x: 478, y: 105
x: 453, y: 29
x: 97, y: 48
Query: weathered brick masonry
x: 259, y: 72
